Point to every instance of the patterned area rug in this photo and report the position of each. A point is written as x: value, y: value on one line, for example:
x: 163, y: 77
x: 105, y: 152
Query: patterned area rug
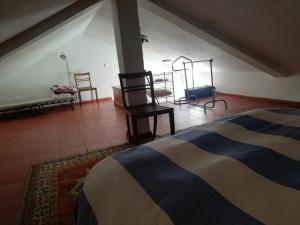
x: 53, y: 188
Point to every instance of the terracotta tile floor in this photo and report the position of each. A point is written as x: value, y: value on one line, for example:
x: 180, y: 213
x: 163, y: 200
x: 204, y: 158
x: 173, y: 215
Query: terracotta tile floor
x: 61, y: 133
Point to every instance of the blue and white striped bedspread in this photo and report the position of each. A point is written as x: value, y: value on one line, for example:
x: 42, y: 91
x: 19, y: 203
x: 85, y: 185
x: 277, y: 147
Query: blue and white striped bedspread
x: 241, y: 171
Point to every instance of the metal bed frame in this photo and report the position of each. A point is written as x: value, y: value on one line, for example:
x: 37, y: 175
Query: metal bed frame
x: 37, y: 106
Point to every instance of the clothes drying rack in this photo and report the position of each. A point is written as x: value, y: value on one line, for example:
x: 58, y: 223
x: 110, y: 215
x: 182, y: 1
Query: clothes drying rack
x: 190, y: 98
x: 185, y: 99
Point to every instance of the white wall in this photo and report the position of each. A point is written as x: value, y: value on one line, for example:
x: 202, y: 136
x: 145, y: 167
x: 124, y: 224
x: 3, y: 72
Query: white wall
x: 259, y: 84
x: 85, y: 54
x: 89, y: 54
x: 34, y: 82
x: 231, y: 75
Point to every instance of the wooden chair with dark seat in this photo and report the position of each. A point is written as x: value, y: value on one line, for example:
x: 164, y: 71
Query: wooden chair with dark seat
x: 83, y: 83
x: 128, y: 86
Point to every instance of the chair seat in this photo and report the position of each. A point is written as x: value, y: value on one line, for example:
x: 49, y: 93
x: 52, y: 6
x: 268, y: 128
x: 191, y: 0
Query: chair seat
x: 86, y: 89
x: 147, y: 110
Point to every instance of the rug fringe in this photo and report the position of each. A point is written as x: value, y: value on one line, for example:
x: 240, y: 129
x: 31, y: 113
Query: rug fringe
x: 19, y: 219
x: 82, y: 154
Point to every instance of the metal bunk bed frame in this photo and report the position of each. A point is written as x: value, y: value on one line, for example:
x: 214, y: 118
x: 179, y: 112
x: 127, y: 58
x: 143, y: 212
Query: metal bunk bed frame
x: 188, y: 99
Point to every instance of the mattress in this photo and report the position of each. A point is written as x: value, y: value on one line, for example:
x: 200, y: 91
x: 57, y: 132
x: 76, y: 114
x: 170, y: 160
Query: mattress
x: 243, y: 170
x: 22, y: 104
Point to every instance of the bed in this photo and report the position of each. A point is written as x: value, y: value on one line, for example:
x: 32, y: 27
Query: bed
x: 60, y: 94
x: 243, y: 170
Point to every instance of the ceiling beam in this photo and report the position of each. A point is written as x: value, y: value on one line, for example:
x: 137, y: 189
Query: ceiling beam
x: 44, y: 26
x: 201, y: 30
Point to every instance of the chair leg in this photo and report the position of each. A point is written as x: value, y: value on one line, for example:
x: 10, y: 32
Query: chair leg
x: 154, y: 126
x: 128, y: 130
x: 135, y: 131
x: 172, y: 122
x: 72, y: 105
x: 92, y: 95
x: 79, y: 96
x: 96, y: 92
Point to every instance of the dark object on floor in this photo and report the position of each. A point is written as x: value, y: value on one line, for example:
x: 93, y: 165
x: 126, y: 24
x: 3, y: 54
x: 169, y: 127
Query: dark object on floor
x: 129, y: 85
x: 83, y: 83
x: 200, y: 92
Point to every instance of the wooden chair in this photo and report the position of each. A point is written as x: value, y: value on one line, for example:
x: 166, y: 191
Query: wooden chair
x: 83, y: 83
x: 144, y: 110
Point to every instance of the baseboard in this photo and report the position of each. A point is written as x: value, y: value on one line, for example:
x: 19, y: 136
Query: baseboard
x: 285, y: 103
x: 108, y: 99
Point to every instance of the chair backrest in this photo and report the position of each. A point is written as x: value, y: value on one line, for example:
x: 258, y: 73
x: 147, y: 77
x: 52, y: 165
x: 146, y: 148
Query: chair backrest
x: 141, y: 83
x: 83, y: 80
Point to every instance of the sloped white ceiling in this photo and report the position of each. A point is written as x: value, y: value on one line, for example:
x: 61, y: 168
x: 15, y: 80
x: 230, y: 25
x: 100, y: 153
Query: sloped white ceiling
x: 265, y: 30
x: 166, y: 41
x: 18, y: 15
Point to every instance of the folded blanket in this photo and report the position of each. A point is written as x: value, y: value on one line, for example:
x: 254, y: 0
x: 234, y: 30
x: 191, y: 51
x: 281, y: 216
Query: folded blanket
x: 59, y: 89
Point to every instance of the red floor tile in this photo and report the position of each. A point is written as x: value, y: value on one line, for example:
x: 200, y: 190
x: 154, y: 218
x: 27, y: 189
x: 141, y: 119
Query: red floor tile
x: 41, y: 157
x: 8, y: 209
x: 93, y: 146
x: 61, y: 132
x: 11, y: 190
x: 47, y: 147
x: 69, y: 148
x: 14, y: 173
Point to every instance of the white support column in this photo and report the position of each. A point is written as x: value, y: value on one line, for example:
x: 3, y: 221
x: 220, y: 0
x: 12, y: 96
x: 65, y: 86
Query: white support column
x: 129, y: 47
